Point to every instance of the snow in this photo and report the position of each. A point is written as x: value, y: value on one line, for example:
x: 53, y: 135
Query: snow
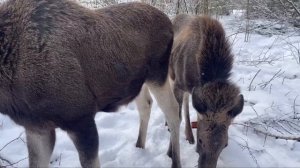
x: 270, y: 52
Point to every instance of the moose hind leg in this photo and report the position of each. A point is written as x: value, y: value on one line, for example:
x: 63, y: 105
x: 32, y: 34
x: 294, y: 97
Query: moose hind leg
x: 179, y: 98
x: 85, y: 138
x: 188, y: 129
x: 40, y: 147
x: 143, y: 102
x: 168, y: 104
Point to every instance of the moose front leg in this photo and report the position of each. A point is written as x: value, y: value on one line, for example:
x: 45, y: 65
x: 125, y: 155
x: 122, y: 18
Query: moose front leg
x: 168, y: 104
x: 40, y: 145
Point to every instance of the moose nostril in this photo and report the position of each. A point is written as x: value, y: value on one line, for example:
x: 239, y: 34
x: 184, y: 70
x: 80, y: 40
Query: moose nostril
x: 226, y: 145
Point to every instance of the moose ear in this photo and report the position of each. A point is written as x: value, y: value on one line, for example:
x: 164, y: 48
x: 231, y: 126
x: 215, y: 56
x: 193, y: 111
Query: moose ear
x: 198, y: 103
x: 238, y: 108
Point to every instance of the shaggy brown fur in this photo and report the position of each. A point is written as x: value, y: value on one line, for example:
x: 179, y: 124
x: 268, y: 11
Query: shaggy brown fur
x: 178, y: 21
x: 200, y: 65
x: 60, y: 63
x: 204, y: 38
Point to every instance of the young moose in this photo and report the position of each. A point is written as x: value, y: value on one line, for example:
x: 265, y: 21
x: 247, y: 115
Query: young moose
x: 200, y: 65
x: 60, y: 63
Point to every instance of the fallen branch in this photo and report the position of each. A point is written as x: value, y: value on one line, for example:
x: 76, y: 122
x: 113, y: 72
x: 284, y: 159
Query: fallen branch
x: 270, y: 134
x: 277, y: 136
x: 11, y: 164
x: 4, y: 160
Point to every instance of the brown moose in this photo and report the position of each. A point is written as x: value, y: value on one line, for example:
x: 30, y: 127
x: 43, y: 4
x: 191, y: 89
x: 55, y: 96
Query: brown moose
x: 200, y: 65
x: 60, y: 63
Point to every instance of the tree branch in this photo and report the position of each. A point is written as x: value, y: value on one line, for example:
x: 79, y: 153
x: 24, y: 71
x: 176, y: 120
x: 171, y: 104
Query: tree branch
x: 294, y: 6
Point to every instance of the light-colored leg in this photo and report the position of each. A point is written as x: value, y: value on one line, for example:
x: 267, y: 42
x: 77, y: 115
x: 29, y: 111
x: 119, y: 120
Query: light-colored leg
x: 188, y: 129
x: 143, y: 102
x: 178, y: 93
x: 85, y: 138
x: 179, y: 98
x: 171, y: 82
x: 168, y: 104
x: 40, y: 147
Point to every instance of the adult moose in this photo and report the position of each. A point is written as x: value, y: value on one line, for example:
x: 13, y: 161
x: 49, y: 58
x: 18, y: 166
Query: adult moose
x: 200, y: 65
x: 60, y: 63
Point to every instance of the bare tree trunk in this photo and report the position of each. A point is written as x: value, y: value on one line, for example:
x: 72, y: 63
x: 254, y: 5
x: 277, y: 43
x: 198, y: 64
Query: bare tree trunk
x: 185, y: 6
x: 181, y: 7
x: 153, y: 2
x: 178, y: 7
x: 197, y: 7
x: 205, y: 7
x: 96, y: 3
x: 247, y: 22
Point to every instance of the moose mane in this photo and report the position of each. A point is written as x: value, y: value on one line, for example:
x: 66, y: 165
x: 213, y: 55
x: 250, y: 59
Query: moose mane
x: 214, y: 57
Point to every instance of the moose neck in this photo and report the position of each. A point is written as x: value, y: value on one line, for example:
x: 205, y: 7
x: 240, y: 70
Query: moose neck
x: 215, y: 63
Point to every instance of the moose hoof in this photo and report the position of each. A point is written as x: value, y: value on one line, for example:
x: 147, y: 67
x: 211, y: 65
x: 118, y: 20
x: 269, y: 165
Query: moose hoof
x: 169, y: 153
x: 176, y: 166
x: 139, y: 146
x: 191, y: 140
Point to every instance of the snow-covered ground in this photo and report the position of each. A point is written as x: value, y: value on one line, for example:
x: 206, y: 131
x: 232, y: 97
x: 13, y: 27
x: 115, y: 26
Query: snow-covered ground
x: 272, y: 95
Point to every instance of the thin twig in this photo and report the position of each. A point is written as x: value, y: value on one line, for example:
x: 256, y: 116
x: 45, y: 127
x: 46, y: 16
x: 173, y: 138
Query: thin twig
x: 294, y: 107
x: 287, y: 93
x: 5, y: 160
x: 265, y: 84
x: 15, y: 162
x: 246, y: 146
x: 11, y: 141
x: 283, y: 127
x: 249, y: 88
x: 283, y: 80
x: 254, y: 111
